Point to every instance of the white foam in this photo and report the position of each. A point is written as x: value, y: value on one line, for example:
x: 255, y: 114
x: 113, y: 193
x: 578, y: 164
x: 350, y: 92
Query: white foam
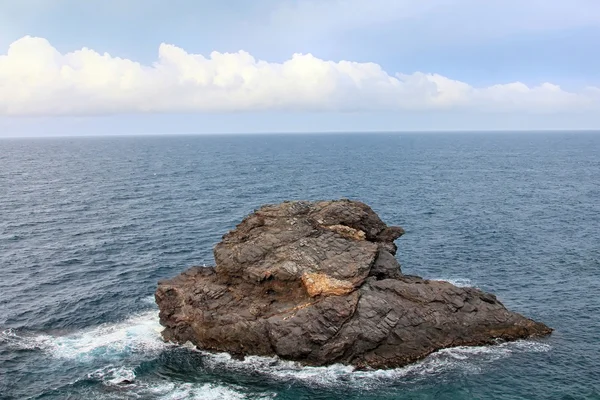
x: 148, y: 300
x: 124, y: 380
x: 10, y: 337
x: 468, y: 359
x: 180, y: 391
x: 165, y: 390
x: 113, y: 376
x: 460, y: 282
x: 140, y: 333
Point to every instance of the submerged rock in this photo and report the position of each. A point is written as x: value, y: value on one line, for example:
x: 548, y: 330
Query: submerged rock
x: 317, y: 282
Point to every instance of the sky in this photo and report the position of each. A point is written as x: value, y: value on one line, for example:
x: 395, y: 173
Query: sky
x: 72, y: 67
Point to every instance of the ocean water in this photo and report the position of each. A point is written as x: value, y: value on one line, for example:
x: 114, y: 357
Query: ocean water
x: 89, y: 225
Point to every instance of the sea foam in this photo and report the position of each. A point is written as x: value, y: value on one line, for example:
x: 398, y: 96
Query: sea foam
x: 141, y: 333
x: 467, y: 359
x: 460, y: 282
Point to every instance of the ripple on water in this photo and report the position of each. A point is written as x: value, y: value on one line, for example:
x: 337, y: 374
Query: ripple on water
x: 88, y: 226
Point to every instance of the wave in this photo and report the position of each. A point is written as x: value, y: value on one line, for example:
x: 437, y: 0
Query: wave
x: 176, y: 391
x: 460, y: 282
x: 123, y: 384
x: 468, y: 359
x: 113, y: 375
x: 140, y: 333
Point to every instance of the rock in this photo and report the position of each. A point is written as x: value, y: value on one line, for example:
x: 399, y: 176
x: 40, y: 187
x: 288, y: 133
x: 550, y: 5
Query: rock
x: 318, y: 283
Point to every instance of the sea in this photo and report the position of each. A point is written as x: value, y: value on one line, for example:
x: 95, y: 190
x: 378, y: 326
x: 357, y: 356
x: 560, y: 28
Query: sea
x: 88, y: 225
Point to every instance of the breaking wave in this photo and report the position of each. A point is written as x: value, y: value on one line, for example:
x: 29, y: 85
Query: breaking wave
x: 460, y: 282
x: 140, y: 333
x: 117, y: 342
x: 468, y: 359
x: 123, y: 385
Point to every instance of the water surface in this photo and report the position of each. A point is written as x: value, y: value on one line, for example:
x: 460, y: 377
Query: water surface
x: 88, y: 226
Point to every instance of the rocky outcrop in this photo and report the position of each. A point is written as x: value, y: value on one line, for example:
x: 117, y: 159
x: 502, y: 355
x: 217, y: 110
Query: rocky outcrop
x: 317, y: 282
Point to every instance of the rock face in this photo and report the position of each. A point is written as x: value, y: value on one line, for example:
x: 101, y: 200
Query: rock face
x: 317, y: 282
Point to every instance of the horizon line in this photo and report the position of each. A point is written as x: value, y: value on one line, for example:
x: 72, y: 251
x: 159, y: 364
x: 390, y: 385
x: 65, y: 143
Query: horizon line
x: 332, y: 132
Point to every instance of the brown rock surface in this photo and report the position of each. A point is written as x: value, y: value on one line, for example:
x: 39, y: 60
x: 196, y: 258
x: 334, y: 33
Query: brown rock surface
x: 317, y: 282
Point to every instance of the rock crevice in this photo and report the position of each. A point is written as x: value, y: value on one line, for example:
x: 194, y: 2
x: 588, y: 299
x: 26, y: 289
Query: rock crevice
x: 318, y: 282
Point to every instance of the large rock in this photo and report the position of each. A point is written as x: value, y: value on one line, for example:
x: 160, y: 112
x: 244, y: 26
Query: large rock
x: 317, y: 282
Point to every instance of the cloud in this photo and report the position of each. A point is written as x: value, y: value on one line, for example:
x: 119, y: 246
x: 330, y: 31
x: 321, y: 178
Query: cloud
x: 36, y: 79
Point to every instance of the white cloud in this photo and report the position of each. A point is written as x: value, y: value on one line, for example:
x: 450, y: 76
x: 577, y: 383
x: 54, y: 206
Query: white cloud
x: 36, y: 79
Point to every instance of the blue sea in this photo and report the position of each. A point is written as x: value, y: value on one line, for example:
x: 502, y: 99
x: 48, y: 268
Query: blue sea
x: 88, y: 225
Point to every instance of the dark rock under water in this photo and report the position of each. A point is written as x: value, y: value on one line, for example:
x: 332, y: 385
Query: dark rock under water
x: 318, y: 283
